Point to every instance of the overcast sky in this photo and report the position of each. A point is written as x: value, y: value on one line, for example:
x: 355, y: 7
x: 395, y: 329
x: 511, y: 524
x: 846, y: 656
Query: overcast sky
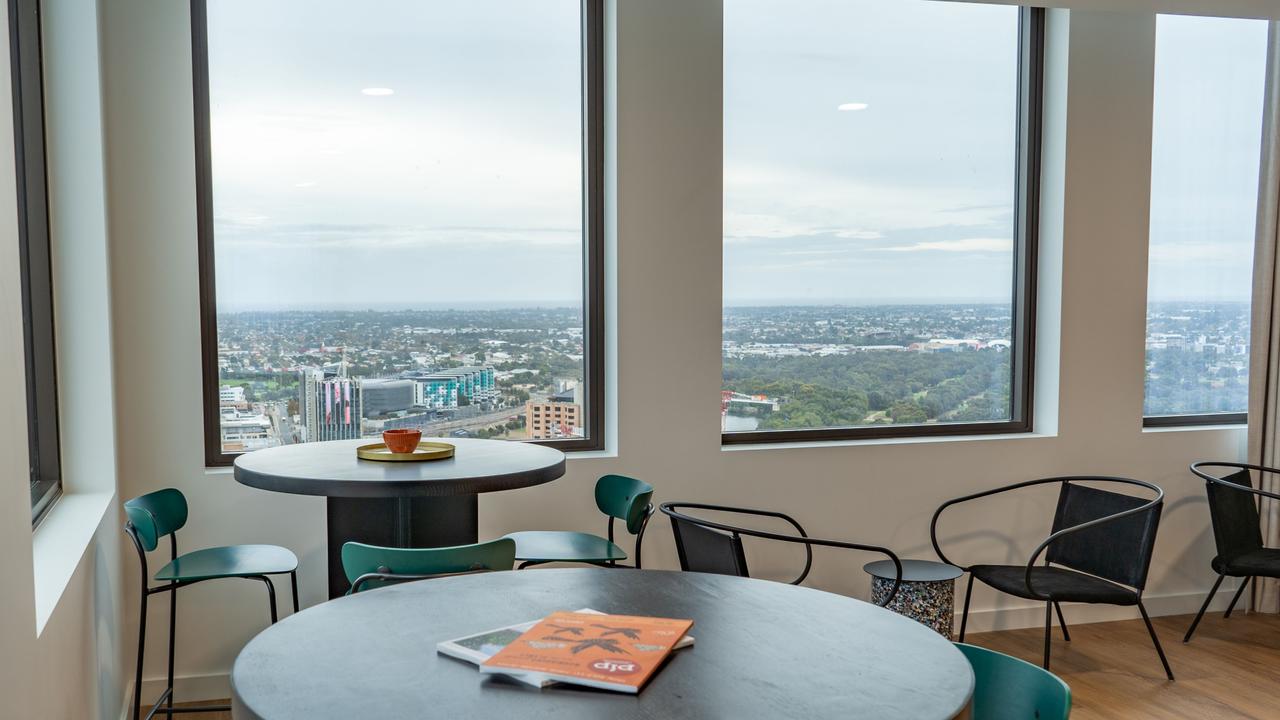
x: 462, y: 185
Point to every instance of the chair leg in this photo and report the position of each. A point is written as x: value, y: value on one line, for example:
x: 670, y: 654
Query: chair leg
x: 173, y: 625
x: 1155, y: 641
x: 1236, y: 599
x: 1062, y: 623
x: 1048, y: 631
x: 1194, y: 623
x: 142, y: 644
x: 293, y: 583
x: 271, y: 594
x: 964, y: 616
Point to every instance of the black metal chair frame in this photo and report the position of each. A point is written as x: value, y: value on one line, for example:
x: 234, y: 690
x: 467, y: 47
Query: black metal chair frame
x: 1197, y: 468
x: 1050, y: 605
x: 644, y: 523
x: 672, y: 510
x: 146, y: 591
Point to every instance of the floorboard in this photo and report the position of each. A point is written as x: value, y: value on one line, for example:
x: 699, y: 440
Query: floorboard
x: 1229, y: 670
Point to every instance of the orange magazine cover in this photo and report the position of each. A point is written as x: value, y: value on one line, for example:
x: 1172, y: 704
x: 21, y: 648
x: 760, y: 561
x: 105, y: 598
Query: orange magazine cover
x: 613, y: 652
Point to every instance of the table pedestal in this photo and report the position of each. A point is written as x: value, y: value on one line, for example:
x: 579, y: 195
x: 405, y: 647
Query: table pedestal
x: 397, y: 522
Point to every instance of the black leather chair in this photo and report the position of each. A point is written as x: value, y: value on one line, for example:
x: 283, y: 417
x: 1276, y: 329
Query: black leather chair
x: 1237, y: 528
x: 1098, y: 551
x: 714, y: 547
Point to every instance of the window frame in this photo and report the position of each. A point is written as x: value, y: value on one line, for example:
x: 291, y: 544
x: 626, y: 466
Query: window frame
x: 35, y: 261
x: 1188, y: 420
x: 1030, y: 78
x: 593, y: 266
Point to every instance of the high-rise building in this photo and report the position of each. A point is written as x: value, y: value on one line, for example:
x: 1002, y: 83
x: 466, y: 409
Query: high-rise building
x: 382, y: 396
x: 330, y: 404
x: 547, y: 420
x: 444, y: 388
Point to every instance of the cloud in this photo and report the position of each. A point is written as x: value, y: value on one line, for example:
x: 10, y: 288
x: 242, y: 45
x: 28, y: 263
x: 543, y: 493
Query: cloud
x: 236, y: 232
x: 965, y: 245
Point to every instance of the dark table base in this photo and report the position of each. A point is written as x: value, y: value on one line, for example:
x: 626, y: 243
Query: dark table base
x: 397, y: 522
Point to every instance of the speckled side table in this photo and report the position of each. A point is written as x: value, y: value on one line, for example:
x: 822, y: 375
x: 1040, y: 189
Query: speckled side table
x: 927, y: 593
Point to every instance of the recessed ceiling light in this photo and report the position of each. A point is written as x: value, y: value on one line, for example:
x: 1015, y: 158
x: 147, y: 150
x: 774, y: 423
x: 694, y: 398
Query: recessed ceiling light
x: 852, y: 106
x: 378, y: 91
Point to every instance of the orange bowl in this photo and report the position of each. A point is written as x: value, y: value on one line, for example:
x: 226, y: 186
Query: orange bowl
x: 401, y: 441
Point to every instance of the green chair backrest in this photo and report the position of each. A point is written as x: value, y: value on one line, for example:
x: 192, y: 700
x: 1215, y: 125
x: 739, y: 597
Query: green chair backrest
x: 1007, y: 688
x: 625, y: 499
x: 360, y: 559
x: 156, y: 514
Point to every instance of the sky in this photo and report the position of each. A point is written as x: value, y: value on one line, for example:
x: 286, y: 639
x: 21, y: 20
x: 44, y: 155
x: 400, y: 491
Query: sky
x: 429, y: 154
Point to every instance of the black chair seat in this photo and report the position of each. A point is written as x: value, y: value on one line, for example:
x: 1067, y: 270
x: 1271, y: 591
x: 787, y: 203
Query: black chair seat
x: 1058, y: 584
x: 1264, y: 562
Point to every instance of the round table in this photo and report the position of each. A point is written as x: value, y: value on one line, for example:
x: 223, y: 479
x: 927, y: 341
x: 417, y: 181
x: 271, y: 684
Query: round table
x: 399, y: 504
x: 762, y: 650
x: 926, y: 595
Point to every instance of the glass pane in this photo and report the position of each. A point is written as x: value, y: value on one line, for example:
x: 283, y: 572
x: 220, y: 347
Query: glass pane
x: 397, y: 218
x: 1206, y: 147
x: 870, y: 160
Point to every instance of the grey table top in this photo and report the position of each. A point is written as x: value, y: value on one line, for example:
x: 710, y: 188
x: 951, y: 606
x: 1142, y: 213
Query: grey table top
x: 914, y: 570
x: 333, y: 470
x: 762, y: 650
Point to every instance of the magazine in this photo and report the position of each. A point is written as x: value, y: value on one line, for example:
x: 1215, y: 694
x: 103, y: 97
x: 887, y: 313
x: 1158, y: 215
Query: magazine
x: 609, y: 652
x: 479, y: 647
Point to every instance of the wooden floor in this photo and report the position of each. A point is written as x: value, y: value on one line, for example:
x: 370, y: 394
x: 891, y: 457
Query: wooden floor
x: 1230, y: 669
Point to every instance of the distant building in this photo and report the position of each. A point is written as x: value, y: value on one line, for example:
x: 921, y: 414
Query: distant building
x: 382, y: 397
x: 231, y: 395
x: 243, y: 432
x: 444, y: 388
x: 330, y: 405
x: 547, y: 420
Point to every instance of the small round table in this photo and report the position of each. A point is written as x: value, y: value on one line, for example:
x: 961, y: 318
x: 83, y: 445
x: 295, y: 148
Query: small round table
x: 927, y: 593
x: 762, y: 650
x: 398, y: 504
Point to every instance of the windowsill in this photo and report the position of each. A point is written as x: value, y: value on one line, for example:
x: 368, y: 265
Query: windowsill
x: 1196, y: 428
x: 570, y: 456
x: 918, y: 440
x: 58, y: 545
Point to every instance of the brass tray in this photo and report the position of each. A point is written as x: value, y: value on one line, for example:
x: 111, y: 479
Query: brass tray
x: 426, y: 451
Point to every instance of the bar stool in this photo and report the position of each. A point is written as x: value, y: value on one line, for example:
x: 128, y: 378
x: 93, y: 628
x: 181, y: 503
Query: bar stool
x: 164, y: 512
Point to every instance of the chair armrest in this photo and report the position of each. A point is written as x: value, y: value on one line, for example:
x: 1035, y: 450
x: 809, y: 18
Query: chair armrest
x: 933, y: 523
x: 670, y: 510
x: 1196, y: 468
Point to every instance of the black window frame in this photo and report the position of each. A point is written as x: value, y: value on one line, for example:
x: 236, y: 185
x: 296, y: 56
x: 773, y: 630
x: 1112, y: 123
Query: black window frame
x: 593, y: 268
x: 1187, y: 420
x: 35, y: 261
x: 1030, y: 78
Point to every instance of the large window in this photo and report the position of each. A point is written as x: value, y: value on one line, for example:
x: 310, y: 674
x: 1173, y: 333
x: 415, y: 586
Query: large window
x: 399, y: 220
x: 1206, y: 149
x: 34, y: 256
x: 880, y: 173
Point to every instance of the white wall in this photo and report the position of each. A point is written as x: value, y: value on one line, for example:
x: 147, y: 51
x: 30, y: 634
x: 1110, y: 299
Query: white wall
x: 665, y: 284
x: 60, y: 603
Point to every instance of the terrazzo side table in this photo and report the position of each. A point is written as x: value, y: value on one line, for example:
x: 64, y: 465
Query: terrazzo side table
x: 927, y: 593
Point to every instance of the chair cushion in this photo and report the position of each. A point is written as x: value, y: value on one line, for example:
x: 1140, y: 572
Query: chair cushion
x: 1264, y: 562
x: 1055, y: 583
x: 553, y: 545
x: 230, y: 561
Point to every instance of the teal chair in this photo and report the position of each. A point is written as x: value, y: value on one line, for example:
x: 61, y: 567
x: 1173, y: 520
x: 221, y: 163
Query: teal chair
x: 164, y: 512
x: 619, y: 497
x: 374, y: 566
x: 1007, y: 688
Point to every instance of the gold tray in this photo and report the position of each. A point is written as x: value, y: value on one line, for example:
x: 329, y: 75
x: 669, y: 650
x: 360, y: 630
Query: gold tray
x: 425, y: 451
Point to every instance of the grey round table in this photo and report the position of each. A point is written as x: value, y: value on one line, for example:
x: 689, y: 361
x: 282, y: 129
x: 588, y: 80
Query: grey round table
x: 762, y: 650
x: 419, y: 504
